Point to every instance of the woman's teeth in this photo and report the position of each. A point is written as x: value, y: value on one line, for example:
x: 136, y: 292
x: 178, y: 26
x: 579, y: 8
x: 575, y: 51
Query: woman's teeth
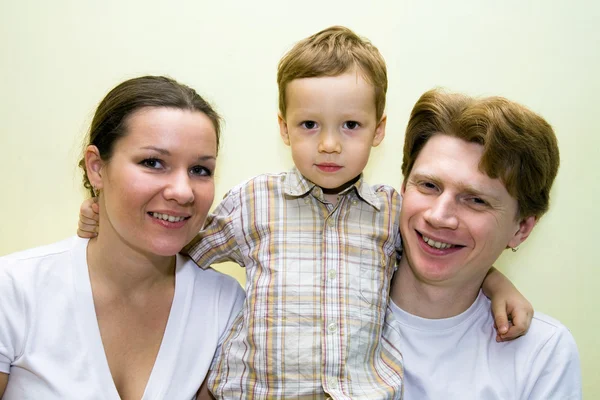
x: 166, y: 217
x: 437, y: 245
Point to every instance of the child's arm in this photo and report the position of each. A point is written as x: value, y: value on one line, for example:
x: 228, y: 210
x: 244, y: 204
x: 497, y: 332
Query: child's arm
x: 512, y: 312
x: 88, y: 218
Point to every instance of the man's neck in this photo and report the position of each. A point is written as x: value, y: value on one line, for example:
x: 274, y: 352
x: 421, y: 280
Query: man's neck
x: 430, y: 300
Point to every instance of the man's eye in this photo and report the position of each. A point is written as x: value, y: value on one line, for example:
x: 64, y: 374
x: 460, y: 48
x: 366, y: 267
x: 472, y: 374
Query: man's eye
x: 309, y: 124
x: 428, y: 185
x: 153, y: 163
x: 351, y: 125
x: 200, y: 170
x: 477, y: 201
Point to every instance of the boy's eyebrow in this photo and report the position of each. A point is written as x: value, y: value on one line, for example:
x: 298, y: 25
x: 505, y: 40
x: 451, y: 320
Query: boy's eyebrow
x: 166, y: 152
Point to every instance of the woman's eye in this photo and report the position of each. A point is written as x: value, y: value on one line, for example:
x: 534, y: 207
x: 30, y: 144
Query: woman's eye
x: 200, y: 170
x: 153, y: 163
x: 351, y: 125
x: 309, y: 124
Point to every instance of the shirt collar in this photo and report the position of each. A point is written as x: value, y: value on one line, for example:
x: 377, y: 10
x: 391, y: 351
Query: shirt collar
x: 297, y: 185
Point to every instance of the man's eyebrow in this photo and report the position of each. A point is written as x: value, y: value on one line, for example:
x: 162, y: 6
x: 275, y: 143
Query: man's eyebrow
x: 168, y: 153
x: 463, y: 186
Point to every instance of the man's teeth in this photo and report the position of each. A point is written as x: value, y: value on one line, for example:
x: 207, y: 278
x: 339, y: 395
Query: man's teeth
x: 437, y: 245
x: 166, y: 217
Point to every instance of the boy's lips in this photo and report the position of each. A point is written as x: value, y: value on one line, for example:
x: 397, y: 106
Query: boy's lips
x: 328, y: 167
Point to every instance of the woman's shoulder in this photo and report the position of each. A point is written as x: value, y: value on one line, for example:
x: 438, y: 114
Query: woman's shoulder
x: 34, y: 259
x: 42, y: 251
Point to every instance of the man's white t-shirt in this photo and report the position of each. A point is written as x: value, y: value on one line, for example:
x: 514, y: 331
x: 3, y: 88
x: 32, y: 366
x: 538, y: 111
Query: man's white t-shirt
x: 50, y: 342
x: 459, y: 358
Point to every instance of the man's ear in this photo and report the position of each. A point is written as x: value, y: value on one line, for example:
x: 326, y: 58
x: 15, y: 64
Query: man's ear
x: 93, y: 166
x: 283, y: 129
x: 525, y: 227
x: 403, y: 187
x: 380, y: 131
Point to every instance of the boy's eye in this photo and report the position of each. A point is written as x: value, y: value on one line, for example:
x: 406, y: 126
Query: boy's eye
x: 200, y: 170
x: 351, y: 125
x: 309, y: 124
x: 153, y: 163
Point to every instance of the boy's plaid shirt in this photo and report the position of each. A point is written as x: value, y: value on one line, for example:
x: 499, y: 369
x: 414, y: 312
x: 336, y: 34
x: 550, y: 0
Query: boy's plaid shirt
x: 317, y: 289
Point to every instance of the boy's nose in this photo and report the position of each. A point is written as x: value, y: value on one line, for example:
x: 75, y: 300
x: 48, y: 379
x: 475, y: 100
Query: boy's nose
x: 329, y: 142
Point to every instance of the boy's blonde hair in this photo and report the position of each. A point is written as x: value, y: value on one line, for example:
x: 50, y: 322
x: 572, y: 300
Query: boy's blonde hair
x: 332, y: 52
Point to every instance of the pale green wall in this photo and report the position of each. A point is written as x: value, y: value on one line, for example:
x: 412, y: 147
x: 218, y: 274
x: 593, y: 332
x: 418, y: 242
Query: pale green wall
x: 59, y: 58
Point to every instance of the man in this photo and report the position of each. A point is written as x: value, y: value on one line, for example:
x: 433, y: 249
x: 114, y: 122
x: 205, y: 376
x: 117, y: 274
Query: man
x: 477, y: 178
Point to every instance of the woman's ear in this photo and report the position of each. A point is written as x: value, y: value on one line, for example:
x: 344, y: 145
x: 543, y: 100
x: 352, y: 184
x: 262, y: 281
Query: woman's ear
x: 525, y: 227
x: 93, y: 166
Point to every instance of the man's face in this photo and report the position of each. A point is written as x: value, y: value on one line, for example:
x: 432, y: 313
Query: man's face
x: 331, y: 125
x: 455, y: 220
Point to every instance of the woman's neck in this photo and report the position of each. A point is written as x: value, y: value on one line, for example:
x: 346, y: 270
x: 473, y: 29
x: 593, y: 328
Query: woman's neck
x: 115, y: 264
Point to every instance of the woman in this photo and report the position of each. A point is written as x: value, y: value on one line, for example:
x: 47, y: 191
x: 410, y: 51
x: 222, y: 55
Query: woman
x: 123, y: 315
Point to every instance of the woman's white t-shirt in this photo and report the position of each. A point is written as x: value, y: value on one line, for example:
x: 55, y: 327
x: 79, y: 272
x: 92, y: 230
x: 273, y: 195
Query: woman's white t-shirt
x: 50, y: 342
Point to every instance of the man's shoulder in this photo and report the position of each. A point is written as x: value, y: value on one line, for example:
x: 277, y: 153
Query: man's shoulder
x: 546, y: 336
x: 549, y: 331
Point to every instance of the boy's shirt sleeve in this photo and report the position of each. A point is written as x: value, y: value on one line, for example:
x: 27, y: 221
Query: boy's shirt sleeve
x: 217, y: 242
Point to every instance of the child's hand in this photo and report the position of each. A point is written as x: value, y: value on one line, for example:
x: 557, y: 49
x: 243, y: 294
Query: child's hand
x: 512, y: 317
x: 88, y: 218
x: 512, y: 312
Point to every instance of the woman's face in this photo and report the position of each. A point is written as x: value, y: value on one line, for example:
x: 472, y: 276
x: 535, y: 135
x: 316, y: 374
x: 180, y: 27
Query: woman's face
x: 455, y: 220
x: 158, y: 185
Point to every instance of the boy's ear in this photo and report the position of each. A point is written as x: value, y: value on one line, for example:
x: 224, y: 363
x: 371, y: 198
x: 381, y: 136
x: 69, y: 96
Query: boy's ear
x: 283, y: 129
x: 93, y: 166
x: 379, y: 131
x: 525, y: 227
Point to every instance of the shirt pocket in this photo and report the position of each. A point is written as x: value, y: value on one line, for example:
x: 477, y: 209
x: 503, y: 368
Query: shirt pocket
x: 374, y: 275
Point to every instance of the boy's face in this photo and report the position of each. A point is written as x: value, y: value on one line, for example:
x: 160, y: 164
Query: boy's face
x: 331, y: 125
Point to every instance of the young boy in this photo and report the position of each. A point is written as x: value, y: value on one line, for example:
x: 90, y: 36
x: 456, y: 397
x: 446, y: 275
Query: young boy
x: 319, y: 244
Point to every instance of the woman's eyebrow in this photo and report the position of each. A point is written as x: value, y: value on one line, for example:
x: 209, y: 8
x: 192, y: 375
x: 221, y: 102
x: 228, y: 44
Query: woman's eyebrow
x: 168, y: 153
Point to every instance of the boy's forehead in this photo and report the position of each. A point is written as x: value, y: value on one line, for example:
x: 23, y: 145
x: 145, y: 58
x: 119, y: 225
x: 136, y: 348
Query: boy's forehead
x: 349, y: 89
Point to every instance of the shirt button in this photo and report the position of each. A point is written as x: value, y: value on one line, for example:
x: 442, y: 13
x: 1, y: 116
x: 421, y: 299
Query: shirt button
x: 332, y: 273
x: 330, y: 222
x: 306, y: 200
x: 332, y: 327
x: 354, y: 202
x: 332, y: 382
x: 383, y: 261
